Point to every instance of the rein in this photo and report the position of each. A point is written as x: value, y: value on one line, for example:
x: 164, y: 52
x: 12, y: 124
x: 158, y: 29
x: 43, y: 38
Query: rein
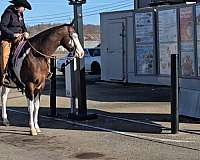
x: 70, y: 57
x: 42, y: 54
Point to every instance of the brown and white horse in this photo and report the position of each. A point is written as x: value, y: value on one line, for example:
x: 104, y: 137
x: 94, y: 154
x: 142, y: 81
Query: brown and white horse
x: 32, y: 68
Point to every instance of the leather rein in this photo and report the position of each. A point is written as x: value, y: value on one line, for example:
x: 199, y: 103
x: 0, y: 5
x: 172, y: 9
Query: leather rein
x: 69, y: 57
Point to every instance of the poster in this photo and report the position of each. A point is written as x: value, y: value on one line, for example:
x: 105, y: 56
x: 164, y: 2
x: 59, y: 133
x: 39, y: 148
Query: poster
x: 165, y: 50
x: 167, y: 26
x: 186, y: 24
x: 198, y: 36
x: 187, y: 59
x: 187, y: 42
x: 198, y: 21
x: 145, y: 58
x: 198, y: 56
x: 144, y: 27
x: 144, y: 43
x: 167, y: 23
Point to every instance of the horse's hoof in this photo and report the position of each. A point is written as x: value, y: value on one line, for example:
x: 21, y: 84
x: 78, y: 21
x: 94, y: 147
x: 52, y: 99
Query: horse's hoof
x: 6, y: 123
x: 33, y: 132
x: 38, y: 130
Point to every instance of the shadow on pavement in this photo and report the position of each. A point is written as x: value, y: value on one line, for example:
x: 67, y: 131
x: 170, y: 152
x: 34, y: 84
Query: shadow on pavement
x: 117, y: 92
x: 21, y: 120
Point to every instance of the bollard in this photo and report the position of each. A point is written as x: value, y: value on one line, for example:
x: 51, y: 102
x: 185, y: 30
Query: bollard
x: 53, y: 89
x: 174, y: 93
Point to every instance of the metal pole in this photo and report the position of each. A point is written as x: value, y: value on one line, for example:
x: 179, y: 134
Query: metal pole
x: 174, y: 93
x: 53, y: 88
x: 136, y: 4
x: 73, y: 90
x: 80, y: 72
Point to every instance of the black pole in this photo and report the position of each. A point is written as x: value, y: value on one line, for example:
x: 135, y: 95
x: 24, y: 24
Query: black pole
x: 80, y: 73
x: 174, y: 93
x: 53, y: 88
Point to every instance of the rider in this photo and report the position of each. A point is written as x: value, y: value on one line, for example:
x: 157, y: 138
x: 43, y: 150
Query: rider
x: 12, y: 27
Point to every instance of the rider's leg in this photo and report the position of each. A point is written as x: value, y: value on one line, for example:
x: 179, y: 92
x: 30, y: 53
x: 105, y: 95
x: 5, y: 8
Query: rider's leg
x: 6, y: 47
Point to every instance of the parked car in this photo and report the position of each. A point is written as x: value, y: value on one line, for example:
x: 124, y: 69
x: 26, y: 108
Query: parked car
x: 92, y: 61
x: 60, y: 65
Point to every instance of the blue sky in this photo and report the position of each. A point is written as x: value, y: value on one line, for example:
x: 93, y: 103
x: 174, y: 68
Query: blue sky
x: 59, y: 11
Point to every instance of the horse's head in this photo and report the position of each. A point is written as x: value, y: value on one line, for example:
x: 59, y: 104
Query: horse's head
x: 71, y: 42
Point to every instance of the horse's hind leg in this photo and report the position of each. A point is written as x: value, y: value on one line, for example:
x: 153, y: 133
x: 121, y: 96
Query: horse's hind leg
x: 4, y: 97
x: 37, y: 106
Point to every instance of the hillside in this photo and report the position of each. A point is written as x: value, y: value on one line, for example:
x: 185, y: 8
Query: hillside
x: 91, y: 32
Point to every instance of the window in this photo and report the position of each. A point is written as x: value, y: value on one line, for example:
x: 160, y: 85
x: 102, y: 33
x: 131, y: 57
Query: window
x: 94, y: 52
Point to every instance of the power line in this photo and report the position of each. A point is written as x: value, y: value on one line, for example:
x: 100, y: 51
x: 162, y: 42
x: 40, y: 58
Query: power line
x: 93, y: 10
x: 91, y: 14
x: 62, y: 13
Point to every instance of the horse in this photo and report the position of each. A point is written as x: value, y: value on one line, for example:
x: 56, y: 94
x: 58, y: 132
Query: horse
x: 32, y: 67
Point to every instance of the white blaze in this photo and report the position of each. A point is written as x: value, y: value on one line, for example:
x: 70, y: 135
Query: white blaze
x: 71, y: 43
x: 79, y: 48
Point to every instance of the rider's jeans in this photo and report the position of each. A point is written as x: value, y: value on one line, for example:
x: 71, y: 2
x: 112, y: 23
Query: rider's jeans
x: 6, y: 46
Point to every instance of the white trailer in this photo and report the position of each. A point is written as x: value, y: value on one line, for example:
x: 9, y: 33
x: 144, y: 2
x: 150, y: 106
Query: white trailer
x: 118, y: 54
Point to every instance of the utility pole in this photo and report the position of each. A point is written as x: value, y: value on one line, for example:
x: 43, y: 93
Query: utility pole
x: 80, y: 72
x: 136, y: 4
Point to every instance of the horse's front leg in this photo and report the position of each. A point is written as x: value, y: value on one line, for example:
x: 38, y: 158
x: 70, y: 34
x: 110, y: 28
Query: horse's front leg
x: 37, y: 106
x: 29, y: 90
x: 4, y: 97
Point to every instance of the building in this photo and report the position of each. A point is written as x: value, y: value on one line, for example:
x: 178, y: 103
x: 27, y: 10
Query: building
x: 136, y: 47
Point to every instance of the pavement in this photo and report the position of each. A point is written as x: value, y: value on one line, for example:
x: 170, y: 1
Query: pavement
x: 133, y: 124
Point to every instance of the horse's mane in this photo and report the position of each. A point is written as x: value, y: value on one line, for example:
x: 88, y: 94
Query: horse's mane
x: 48, y: 31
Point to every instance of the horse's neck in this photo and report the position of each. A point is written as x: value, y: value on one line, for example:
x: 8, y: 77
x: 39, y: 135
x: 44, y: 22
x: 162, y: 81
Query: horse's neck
x: 47, y: 45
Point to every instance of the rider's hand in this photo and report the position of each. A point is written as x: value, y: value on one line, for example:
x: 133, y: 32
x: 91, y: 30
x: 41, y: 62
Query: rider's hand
x: 26, y: 35
x: 16, y: 35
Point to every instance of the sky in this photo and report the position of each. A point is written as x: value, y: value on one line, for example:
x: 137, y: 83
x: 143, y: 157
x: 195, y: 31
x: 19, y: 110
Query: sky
x: 59, y: 11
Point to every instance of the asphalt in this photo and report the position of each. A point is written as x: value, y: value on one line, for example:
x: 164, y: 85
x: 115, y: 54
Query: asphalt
x: 133, y: 124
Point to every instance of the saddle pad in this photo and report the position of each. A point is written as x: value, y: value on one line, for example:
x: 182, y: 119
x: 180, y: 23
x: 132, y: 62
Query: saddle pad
x: 18, y: 51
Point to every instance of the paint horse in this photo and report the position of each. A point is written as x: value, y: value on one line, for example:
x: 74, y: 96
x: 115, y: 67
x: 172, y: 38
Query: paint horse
x: 31, y: 67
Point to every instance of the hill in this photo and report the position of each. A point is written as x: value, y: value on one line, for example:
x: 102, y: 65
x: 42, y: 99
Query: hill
x: 91, y: 32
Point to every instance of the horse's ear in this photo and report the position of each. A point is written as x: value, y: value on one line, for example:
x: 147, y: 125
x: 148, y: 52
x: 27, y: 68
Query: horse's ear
x: 72, y: 23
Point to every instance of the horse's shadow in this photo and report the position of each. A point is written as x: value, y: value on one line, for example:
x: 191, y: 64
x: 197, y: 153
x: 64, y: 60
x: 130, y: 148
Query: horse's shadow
x: 18, y: 117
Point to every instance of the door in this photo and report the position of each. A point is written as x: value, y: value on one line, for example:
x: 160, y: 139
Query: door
x: 115, y: 50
